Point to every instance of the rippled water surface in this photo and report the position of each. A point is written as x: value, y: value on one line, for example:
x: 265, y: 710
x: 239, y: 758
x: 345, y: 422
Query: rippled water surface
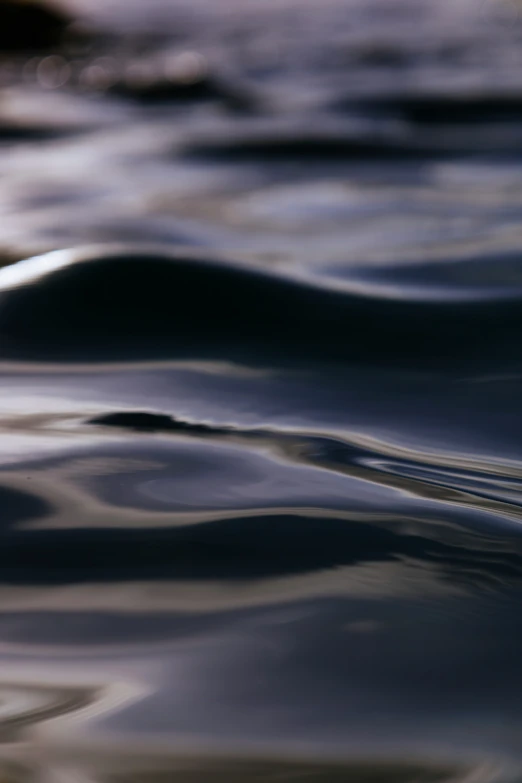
x: 261, y: 396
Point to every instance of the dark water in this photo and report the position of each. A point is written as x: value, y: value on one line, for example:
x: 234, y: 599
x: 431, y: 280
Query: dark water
x: 261, y: 397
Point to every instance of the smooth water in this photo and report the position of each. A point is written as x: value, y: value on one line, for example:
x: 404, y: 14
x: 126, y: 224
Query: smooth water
x: 261, y: 397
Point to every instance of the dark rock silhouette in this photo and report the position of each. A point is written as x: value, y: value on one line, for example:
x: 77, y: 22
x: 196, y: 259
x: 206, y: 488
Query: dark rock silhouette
x: 31, y: 26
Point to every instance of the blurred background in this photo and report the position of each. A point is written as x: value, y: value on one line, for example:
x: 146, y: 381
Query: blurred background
x: 331, y: 135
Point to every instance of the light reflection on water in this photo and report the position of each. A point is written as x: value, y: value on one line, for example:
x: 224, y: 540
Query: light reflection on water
x: 38, y: 742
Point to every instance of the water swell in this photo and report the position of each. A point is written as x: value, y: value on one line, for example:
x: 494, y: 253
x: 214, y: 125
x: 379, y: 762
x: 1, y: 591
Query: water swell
x: 134, y: 307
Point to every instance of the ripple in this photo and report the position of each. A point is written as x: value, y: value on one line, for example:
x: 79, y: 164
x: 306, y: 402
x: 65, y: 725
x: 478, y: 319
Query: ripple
x: 96, y: 306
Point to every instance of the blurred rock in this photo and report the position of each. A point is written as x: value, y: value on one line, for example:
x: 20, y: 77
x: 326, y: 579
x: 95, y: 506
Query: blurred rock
x: 29, y: 26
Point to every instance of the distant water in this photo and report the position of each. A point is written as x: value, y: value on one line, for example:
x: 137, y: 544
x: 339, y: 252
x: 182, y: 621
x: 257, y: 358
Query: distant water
x: 261, y: 398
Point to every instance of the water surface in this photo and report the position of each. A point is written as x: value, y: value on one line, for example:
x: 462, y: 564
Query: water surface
x: 260, y: 410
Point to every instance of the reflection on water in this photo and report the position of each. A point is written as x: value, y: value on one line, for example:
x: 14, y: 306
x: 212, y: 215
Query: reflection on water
x: 260, y: 400
x: 36, y: 744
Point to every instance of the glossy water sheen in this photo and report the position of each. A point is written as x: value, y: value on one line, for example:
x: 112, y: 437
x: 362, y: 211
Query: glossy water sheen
x: 260, y: 409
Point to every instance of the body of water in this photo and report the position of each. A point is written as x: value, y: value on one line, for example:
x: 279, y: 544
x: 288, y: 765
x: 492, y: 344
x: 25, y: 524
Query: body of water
x: 261, y: 396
